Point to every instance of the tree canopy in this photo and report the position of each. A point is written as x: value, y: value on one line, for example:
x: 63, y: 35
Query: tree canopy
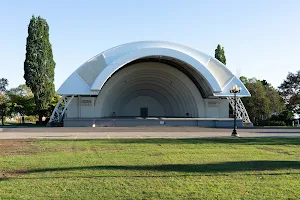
x: 4, y: 100
x: 3, y: 84
x: 220, y: 54
x: 277, y: 103
x: 264, y: 101
x: 22, y: 101
x: 290, y: 91
x: 39, y: 64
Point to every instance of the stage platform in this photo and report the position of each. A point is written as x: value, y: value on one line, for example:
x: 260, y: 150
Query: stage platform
x: 151, y: 121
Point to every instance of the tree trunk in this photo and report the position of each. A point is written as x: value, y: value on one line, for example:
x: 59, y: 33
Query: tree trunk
x: 40, y: 117
x: 254, y: 121
x: 23, y: 120
x: 2, y: 120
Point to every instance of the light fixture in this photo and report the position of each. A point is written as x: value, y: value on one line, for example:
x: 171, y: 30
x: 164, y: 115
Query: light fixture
x: 235, y: 89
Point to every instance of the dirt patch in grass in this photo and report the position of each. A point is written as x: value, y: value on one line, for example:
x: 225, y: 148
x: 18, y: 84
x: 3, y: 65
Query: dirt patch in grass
x: 276, y: 150
x: 32, y: 146
x: 7, y: 175
x: 107, y: 148
x: 17, y: 147
x: 28, y: 147
x: 157, y: 154
x: 62, y: 149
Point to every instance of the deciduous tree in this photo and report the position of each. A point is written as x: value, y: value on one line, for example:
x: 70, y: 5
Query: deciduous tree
x: 4, y: 101
x: 258, y: 105
x: 290, y: 91
x: 265, y: 100
x: 277, y: 103
x: 22, y: 101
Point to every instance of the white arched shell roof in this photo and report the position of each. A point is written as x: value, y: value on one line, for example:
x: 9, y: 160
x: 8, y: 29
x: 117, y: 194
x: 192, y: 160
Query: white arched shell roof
x: 89, y: 78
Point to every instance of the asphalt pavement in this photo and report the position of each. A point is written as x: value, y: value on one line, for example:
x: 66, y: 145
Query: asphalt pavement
x: 140, y: 132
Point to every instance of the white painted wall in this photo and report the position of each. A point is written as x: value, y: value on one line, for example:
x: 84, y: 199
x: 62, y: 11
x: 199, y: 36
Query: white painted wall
x: 87, y: 107
x: 223, y: 108
x: 79, y: 108
x: 73, y: 109
x: 212, y: 108
x: 132, y: 108
x: 217, y: 108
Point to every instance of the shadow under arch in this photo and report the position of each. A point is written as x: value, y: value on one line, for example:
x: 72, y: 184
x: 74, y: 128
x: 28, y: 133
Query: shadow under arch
x: 199, y: 81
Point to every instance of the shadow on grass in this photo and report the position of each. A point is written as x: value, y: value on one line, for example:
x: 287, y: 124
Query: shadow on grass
x: 242, y: 166
x: 212, y: 169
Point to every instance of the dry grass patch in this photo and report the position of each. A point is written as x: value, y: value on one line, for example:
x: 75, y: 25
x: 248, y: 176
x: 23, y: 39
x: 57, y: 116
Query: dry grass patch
x: 29, y: 146
x: 17, y: 147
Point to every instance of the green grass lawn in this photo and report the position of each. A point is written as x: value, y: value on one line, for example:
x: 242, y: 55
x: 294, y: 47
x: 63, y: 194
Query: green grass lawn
x: 234, y: 168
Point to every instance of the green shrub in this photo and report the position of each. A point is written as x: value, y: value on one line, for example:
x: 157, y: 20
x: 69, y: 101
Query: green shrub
x: 271, y: 123
x: 31, y: 118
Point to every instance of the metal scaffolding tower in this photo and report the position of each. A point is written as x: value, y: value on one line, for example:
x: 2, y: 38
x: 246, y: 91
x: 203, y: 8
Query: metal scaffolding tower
x: 59, y: 110
x: 241, y: 111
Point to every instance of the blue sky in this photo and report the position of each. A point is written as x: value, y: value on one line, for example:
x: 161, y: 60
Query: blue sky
x: 261, y: 37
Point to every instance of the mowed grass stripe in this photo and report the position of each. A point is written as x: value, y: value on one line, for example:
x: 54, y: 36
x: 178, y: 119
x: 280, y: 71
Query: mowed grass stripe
x: 233, y: 168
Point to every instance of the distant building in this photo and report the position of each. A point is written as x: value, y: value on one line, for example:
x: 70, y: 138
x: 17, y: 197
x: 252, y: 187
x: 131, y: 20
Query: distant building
x: 148, y: 83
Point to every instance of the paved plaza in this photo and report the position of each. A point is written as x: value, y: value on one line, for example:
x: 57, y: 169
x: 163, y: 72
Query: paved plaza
x: 140, y: 132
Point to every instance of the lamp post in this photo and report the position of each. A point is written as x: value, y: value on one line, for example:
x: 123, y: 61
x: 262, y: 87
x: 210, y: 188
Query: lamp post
x: 235, y: 89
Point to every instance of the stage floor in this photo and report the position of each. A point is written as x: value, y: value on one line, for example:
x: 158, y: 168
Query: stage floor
x: 150, y: 118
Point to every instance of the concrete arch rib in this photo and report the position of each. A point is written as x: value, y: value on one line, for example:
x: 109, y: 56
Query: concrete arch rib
x: 147, y: 52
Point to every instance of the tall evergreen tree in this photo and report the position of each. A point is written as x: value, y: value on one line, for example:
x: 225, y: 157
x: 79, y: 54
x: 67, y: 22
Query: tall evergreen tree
x: 39, y: 64
x: 3, y: 84
x: 220, y: 54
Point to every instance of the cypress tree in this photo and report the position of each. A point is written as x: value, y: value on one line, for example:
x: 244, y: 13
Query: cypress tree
x: 220, y: 54
x: 39, y: 64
